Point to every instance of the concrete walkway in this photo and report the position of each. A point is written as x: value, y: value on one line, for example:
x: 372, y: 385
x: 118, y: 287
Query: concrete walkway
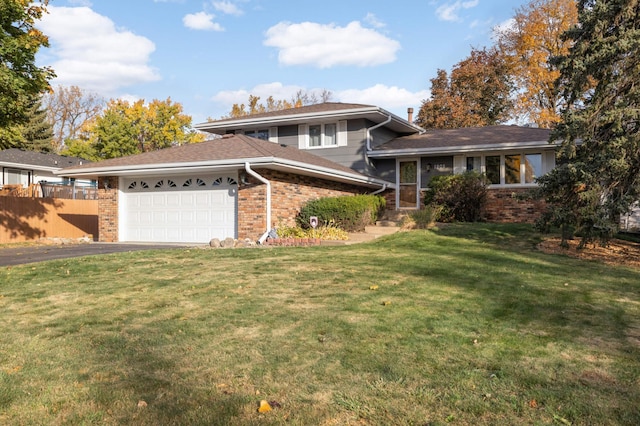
x: 370, y: 234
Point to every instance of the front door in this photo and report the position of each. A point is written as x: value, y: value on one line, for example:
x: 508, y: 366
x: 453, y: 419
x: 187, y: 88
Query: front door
x: 408, y: 194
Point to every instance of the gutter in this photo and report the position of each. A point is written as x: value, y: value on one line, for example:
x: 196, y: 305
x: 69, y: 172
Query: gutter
x: 412, y: 152
x: 248, y: 169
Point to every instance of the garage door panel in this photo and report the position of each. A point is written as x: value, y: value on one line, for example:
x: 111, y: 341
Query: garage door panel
x: 192, y: 214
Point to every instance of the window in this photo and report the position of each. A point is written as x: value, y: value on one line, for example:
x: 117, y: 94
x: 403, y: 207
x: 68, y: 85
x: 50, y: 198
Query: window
x: 315, y: 135
x: 322, y: 135
x: 492, y: 164
x: 474, y: 164
x: 509, y: 169
x: 532, y: 167
x: 258, y: 134
x: 330, y: 135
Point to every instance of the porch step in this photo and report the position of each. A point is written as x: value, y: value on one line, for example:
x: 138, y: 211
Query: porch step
x: 393, y: 216
x: 387, y: 223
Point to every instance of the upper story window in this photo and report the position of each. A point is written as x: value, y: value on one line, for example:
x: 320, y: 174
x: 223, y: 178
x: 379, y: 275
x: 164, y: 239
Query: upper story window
x: 322, y: 135
x: 270, y: 134
x: 258, y: 134
x: 510, y: 169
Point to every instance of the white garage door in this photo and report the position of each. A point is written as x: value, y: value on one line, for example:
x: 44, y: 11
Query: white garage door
x: 189, y: 209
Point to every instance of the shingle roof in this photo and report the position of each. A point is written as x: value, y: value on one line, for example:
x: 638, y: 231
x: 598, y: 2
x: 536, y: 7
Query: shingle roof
x: 234, y: 148
x: 306, y: 114
x: 38, y: 159
x: 468, y: 136
x: 308, y: 109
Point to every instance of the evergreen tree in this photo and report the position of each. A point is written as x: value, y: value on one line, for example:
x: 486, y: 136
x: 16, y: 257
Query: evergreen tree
x: 37, y: 132
x: 598, y: 173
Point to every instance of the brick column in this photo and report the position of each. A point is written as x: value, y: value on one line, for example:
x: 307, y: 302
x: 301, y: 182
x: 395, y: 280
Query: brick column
x: 108, y: 209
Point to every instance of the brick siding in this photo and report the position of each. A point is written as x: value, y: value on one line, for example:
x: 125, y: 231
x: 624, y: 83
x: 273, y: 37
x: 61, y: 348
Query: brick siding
x: 108, y: 209
x: 289, y: 192
x: 505, y: 205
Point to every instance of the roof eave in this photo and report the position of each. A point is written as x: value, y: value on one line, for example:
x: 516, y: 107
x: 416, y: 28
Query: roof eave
x: 29, y: 166
x: 459, y: 149
x: 298, y: 118
x: 233, y: 164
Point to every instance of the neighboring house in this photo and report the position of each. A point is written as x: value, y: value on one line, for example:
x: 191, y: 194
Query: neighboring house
x: 235, y: 186
x: 266, y: 166
x: 20, y: 167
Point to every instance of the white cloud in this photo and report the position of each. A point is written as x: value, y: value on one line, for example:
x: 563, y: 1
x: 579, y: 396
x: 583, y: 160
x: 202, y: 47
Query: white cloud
x: 449, y: 11
x: 393, y: 98
x: 86, y: 3
x: 326, y: 46
x: 227, y: 7
x: 87, y: 50
x: 503, y: 27
x: 201, y: 21
x: 373, y: 20
x: 275, y: 89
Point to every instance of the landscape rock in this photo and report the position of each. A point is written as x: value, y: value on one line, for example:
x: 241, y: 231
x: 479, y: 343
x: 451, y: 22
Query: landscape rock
x: 228, y: 243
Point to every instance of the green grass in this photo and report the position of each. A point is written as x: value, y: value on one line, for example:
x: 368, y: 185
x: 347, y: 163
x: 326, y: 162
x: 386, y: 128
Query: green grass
x: 481, y: 329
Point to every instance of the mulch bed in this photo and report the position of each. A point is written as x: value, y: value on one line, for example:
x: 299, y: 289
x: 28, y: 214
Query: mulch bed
x: 617, y: 252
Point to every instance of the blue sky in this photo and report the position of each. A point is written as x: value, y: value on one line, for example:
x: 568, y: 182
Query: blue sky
x: 209, y: 54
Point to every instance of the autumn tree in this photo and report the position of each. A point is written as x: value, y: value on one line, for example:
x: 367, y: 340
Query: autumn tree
x: 476, y: 94
x: 598, y: 175
x: 254, y: 106
x: 131, y: 128
x: 69, y: 109
x: 533, y: 38
x: 20, y: 40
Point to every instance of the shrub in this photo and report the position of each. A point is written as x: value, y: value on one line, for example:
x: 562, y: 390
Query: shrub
x: 351, y: 213
x: 422, y: 219
x: 325, y: 232
x: 462, y: 197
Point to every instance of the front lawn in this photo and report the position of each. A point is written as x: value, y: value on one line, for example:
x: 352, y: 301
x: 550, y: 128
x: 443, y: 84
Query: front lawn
x: 468, y: 324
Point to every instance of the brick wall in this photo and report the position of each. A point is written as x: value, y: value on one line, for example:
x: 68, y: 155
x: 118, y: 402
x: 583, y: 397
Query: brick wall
x: 289, y: 193
x: 504, y: 205
x: 108, y: 209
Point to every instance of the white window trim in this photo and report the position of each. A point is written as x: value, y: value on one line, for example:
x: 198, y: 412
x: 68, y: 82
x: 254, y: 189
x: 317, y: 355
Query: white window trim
x: 340, y: 138
x: 546, y: 159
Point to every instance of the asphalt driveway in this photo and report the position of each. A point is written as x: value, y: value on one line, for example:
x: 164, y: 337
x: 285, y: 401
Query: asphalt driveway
x: 38, y: 253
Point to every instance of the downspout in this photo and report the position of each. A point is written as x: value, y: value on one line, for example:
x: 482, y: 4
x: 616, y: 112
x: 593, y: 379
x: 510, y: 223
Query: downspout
x: 387, y: 121
x: 384, y: 187
x: 247, y: 167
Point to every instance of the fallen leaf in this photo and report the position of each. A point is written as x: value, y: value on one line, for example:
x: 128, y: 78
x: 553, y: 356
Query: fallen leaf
x: 373, y: 287
x: 533, y: 403
x: 142, y: 404
x: 386, y: 302
x: 264, y: 407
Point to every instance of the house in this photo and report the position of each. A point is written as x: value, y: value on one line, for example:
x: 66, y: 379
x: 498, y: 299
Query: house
x: 262, y: 168
x: 376, y: 142
x: 235, y: 186
x: 21, y: 167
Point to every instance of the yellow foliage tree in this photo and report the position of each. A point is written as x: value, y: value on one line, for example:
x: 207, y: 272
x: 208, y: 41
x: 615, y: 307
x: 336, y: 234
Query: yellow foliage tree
x: 533, y: 38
